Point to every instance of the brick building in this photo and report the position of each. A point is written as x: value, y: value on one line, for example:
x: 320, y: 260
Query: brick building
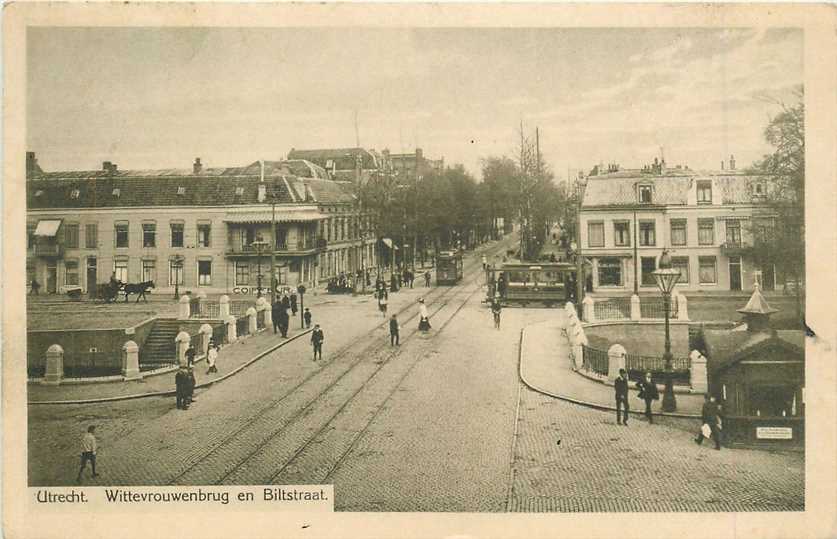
x: 709, y: 221
x: 196, y: 227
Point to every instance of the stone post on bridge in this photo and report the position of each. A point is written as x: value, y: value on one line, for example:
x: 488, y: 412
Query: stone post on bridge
x: 224, y: 307
x: 588, y: 310
x: 615, y: 361
x: 252, y: 328
x: 206, y: 329
x: 636, y: 309
x: 231, y: 329
x: 130, y: 361
x: 697, y: 372
x: 682, y: 307
x: 181, y: 343
x: 54, y: 366
x: 183, y: 308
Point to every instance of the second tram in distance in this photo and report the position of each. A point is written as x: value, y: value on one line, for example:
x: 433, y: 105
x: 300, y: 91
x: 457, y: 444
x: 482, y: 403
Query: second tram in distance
x: 525, y: 283
x: 448, y: 267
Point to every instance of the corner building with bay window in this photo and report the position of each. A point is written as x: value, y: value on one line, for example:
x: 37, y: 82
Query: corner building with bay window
x: 710, y: 222
x: 197, y: 229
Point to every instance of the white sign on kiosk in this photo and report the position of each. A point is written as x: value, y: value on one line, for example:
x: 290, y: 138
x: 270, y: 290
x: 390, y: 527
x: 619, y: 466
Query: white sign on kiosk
x: 774, y: 433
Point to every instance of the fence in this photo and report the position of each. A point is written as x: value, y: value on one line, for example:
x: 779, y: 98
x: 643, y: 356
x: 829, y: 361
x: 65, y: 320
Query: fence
x: 219, y: 333
x: 612, y: 309
x: 594, y: 360
x: 204, y: 309
x: 637, y: 366
x: 655, y: 308
x: 260, y: 319
x: 239, y: 308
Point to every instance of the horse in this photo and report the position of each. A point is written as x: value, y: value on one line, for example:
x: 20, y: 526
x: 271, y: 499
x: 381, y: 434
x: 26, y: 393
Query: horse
x: 137, y: 288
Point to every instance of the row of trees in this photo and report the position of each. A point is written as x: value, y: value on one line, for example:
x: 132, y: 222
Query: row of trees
x: 446, y: 209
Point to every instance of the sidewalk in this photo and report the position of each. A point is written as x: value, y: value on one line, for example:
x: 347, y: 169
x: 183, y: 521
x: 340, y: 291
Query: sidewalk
x: 545, y: 366
x: 328, y: 310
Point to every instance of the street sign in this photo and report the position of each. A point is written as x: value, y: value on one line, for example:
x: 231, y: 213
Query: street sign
x: 774, y: 433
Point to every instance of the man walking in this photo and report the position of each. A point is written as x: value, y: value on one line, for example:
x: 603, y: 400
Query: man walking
x: 393, y: 331
x: 709, y: 416
x: 284, y: 321
x: 88, y: 452
x: 307, y: 317
x: 190, y: 355
x: 649, y: 393
x: 427, y: 279
x: 274, y: 313
x: 317, y: 341
x: 620, y: 385
x: 181, y: 383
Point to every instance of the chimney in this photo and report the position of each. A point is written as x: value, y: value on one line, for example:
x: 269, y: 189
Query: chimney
x: 113, y: 168
x: 262, y: 192
x: 106, y: 166
x: 197, y: 167
x: 722, y: 164
x: 732, y: 162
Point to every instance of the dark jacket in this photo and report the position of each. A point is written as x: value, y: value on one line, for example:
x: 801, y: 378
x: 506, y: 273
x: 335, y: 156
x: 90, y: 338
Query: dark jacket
x: 709, y: 412
x: 647, y: 390
x: 621, y: 387
x: 317, y: 336
x: 307, y: 316
x: 275, y: 308
x: 393, y: 326
x: 181, y: 381
x: 190, y: 355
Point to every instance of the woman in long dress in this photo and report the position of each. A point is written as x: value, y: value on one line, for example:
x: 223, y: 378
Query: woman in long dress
x: 424, y: 317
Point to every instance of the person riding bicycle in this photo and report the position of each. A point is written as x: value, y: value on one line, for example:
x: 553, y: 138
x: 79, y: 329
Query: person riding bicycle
x: 495, y: 310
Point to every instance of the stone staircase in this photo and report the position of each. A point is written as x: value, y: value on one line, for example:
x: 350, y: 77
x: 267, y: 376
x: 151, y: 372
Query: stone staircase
x: 158, y: 349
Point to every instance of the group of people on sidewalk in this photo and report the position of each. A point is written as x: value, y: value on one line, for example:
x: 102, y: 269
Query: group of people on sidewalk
x: 648, y: 392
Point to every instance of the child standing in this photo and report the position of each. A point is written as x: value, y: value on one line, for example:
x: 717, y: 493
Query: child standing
x: 307, y: 317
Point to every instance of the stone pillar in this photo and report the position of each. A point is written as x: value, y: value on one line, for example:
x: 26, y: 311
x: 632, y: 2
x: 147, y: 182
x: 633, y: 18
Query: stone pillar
x: 697, y: 372
x: 231, y: 329
x: 206, y: 329
x: 615, y: 361
x: 183, y: 309
x: 224, y: 306
x: 130, y: 361
x: 569, y: 308
x: 251, y: 321
x: 588, y: 311
x: 578, y: 340
x: 54, y: 365
x: 181, y: 343
x: 682, y: 307
x: 636, y: 310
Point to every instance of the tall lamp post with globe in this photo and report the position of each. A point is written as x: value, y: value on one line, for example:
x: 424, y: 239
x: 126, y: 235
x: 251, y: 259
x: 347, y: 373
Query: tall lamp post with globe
x: 666, y: 278
x: 178, y: 274
x: 259, y: 244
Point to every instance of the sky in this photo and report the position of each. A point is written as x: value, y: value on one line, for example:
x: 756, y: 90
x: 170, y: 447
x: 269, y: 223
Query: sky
x: 159, y: 97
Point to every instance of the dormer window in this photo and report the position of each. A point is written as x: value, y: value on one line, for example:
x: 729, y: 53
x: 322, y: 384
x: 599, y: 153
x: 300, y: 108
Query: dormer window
x: 239, y: 191
x: 116, y: 192
x: 39, y: 192
x: 759, y: 190
x: 74, y: 193
x: 181, y: 190
x: 704, y: 192
x: 645, y: 194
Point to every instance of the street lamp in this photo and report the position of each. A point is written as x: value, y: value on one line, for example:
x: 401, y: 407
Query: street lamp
x: 259, y: 244
x: 178, y: 269
x: 666, y: 278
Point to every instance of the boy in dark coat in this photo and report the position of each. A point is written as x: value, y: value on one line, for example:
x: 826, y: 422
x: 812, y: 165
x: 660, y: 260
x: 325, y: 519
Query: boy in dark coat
x: 181, y: 382
x: 307, y: 317
x: 393, y: 331
x: 649, y: 393
x: 621, y: 387
x: 709, y: 416
x: 317, y: 338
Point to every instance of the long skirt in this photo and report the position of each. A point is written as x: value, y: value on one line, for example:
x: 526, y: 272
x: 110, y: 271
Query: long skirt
x: 424, y: 324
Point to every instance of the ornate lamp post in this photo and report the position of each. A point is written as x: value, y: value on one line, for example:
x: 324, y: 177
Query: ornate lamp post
x: 259, y: 244
x: 666, y: 278
x: 178, y: 268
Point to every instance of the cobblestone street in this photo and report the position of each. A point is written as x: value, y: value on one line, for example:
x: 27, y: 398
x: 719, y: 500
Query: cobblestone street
x: 441, y: 423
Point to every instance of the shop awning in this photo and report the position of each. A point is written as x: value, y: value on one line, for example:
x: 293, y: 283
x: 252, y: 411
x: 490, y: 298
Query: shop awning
x: 48, y: 227
x: 388, y: 242
x: 283, y: 216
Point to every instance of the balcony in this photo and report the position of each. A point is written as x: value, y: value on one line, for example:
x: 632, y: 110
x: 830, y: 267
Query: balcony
x: 736, y: 248
x: 49, y: 250
x: 302, y: 247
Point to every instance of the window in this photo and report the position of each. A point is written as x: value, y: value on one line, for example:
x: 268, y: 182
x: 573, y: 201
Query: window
x: 763, y: 228
x: 204, y: 272
x: 704, y: 192
x: 149, y: 234
x: 248, y: 236
x: 203, y: 235
x: 71, y: 236
x: 116, y: 193
x: 706, y: 272
x: 706, y: 232
x: 239, y: 191
x: 649, y: 264
x: 622, y: 234
x: 91, y: 235
x: 30, y: 235
x: 176, y: 235
x: 734, y: 231
x: 678, y: 232
x: 647, y: 235
x: 645, y: 194
x: 175, y: 272
x: 773, y: 401
x: 595, y: 234
x: 120, y: 268
x: 71, y: 276
x: 75, y: 193
x: 122, y: 235
x: 610, y: 272
x: 181, y: 190
x: 242, y: 273
x: 681, y: 263
x: 149, y: 270
x: 281, y: 238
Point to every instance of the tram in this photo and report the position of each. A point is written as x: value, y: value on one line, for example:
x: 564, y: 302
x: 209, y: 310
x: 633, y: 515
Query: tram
x: 548, y: 283
x: 448, y: 267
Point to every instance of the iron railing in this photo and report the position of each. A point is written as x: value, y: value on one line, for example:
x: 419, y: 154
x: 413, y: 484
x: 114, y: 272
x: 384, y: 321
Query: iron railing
x: 637, y: 366
x: 654, y: 308
x: 612, y: 309
x: 594, y: 360
x: 242, y: 326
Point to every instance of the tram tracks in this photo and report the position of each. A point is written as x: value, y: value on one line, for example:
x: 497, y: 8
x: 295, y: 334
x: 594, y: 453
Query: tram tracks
x: 336, y: 380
